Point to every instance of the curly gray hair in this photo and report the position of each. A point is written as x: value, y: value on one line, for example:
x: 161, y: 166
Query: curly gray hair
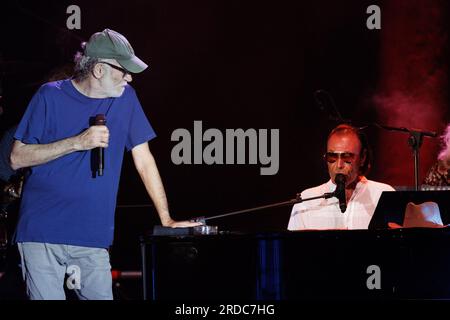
x: 83, y: 65
x: 444, y: 154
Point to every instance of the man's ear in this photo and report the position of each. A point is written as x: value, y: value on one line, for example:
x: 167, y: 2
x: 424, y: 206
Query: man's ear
x: 363, y: 158
x: 363, y: 155
x: 98, y: 71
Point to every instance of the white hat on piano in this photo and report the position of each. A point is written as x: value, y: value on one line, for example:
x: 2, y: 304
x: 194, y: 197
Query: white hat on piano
x: 424, y: 215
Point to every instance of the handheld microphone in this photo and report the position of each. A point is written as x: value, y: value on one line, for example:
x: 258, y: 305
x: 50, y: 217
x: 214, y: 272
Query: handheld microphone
x: 340, y: 191
x: 100, y: 120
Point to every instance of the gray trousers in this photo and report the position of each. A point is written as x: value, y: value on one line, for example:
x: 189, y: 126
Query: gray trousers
x: 45, y: 265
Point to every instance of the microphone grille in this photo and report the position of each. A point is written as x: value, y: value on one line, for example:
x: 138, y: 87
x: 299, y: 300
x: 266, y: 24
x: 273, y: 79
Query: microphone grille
x: 100, y: 119
x: 340, y: 178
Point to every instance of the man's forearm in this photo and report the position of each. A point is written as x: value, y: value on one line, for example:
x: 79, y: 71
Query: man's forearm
x: 160, y: 200
x: 146, y: 166
x: 155, y: 189
x: 148, y: 171
x: 28, y: 155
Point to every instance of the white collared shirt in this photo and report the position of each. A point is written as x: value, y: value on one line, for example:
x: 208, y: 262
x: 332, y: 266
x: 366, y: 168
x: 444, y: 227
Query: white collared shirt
x: 325, y: 213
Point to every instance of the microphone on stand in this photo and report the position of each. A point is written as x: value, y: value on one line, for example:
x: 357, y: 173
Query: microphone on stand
x: 100, y: 120
x: 339, y: 193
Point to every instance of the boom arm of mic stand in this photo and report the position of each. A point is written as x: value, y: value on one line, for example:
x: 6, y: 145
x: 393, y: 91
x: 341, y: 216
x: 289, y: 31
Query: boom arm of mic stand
x: 410, y: 131
x: 297, y: 199
x: 205, y: 229
x: 415, y: 140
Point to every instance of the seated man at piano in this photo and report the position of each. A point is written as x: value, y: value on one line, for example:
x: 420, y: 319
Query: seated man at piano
x: 348, y: 159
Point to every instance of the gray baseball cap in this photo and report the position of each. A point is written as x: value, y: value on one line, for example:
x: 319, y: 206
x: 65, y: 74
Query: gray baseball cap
x: 110, y: 44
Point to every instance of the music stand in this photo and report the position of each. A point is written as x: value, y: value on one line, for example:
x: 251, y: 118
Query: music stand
x: 392, y: 204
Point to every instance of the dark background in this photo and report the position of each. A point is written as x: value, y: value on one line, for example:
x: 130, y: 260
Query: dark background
x: 241, y: 64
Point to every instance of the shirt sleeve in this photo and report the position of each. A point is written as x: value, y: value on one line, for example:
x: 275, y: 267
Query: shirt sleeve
x: 296, y: 221
x: 139, y: 130
x: 32, y: 126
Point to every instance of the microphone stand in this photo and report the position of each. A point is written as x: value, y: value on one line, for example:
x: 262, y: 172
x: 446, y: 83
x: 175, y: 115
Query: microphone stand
x: 205, y: 229
x: 298, y: 199
x: 415, y: 141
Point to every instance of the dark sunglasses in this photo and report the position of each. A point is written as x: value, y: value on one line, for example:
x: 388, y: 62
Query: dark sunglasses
x: 124, y: 71
x: 332, y: 157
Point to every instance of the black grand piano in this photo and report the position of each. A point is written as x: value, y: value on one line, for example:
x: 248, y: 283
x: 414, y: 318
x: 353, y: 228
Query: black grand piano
x: 359, y: 264
x: 409, y: 263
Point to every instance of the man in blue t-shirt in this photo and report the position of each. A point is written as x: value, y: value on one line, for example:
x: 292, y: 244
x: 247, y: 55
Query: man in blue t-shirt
x: 66, y: 218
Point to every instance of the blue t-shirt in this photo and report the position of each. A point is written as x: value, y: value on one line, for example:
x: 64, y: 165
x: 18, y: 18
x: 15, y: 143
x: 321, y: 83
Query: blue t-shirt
x: 62, y: 201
